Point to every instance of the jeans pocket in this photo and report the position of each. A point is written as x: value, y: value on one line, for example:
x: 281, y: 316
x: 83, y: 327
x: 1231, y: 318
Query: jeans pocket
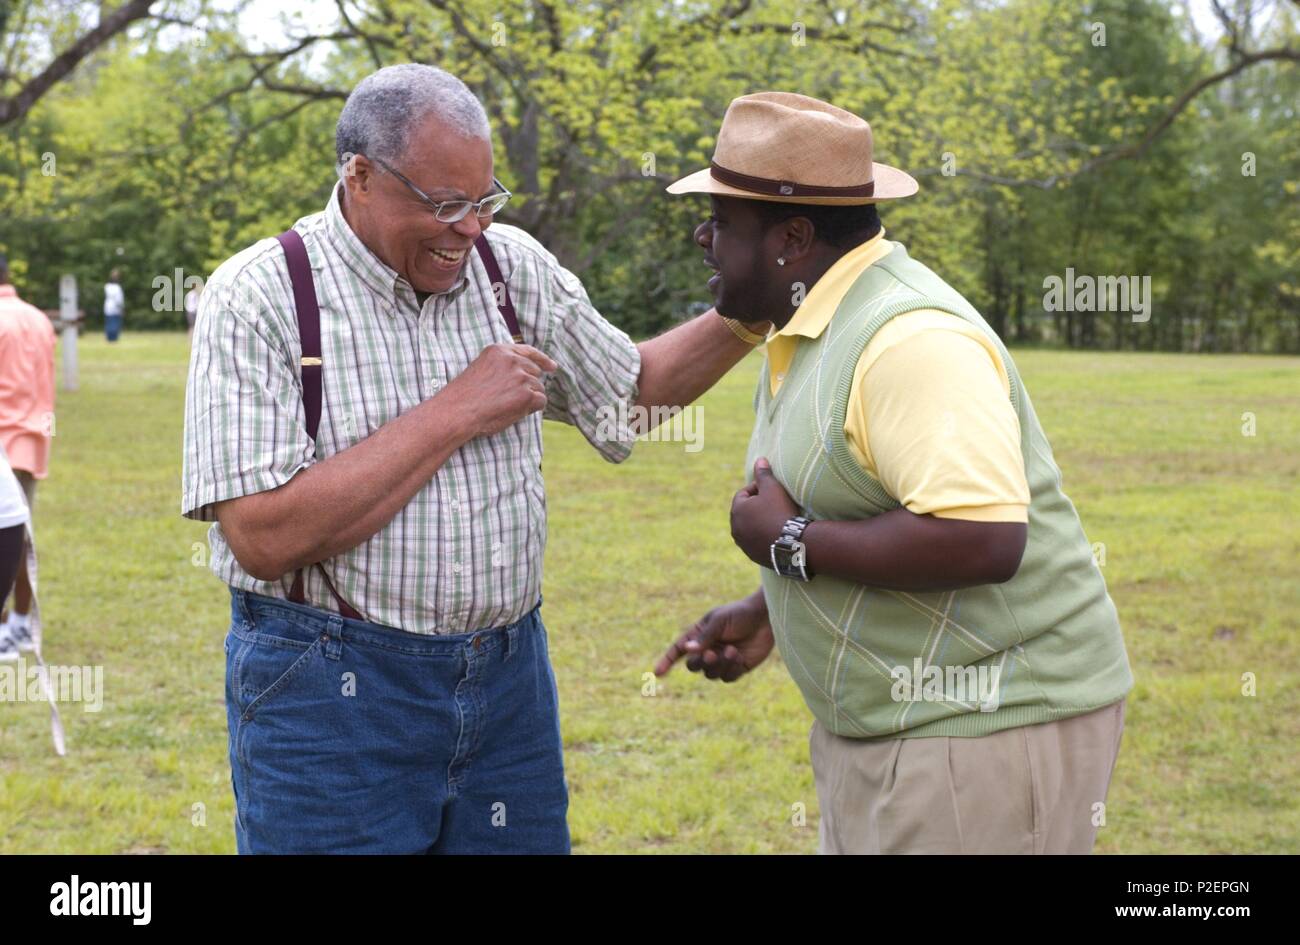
x: 268, y: 667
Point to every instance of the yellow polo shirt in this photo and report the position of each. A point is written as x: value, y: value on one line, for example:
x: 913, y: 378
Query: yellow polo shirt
x: 929, y: 413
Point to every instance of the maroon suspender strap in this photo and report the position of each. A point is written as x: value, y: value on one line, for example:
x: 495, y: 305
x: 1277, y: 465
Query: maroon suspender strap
x: 506, y: 307
x: 308, y: 311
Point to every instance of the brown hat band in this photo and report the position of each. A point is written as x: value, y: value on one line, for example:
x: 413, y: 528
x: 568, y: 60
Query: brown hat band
x: 785, y: 188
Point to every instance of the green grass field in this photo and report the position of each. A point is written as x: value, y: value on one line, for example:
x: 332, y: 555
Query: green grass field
x: 1198, y: 522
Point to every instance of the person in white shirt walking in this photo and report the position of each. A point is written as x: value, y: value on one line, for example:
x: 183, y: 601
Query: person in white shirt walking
x: 114, y: 305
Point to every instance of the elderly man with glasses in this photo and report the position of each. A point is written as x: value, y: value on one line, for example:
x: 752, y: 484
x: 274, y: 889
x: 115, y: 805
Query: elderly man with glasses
x: 363, y: 426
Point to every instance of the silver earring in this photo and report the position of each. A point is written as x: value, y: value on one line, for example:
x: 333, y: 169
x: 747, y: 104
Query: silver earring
x: 780, y: 260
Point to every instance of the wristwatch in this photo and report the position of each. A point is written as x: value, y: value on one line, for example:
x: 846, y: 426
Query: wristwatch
x: 789, y: 554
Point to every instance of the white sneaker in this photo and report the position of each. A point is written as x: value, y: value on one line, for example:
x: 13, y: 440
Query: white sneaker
x: 8, y: 649
x: 21, y: 637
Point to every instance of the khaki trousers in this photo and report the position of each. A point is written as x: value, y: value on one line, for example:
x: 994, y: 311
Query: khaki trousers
x: 1033, y: 789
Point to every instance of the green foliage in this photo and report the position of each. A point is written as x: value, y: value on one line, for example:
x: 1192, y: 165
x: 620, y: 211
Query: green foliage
x: 174, y: 155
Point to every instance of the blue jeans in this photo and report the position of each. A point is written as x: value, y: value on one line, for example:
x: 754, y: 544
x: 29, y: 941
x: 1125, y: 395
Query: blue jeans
x: 351, y: 737
x: 112, y: 325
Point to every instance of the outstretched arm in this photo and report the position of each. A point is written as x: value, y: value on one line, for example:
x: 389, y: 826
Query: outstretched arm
x: 680, y: 365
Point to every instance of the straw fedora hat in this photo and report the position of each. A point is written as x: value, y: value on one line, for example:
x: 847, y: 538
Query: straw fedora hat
x: 790, y: 148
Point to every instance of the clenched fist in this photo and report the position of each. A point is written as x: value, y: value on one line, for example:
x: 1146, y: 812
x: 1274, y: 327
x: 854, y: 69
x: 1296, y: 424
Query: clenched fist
x: 502, y: 386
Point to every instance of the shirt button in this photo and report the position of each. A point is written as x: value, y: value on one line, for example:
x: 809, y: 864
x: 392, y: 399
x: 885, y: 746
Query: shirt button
x: 455, y: 504
x: 780, y: 377
x: 456, y: 567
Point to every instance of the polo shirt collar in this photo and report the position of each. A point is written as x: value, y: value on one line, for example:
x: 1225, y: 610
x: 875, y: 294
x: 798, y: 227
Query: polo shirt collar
x: 373, y: 271
x: 814, y: 313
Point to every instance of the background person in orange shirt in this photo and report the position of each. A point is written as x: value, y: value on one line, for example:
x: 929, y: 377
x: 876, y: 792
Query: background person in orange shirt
x: 26, y: 417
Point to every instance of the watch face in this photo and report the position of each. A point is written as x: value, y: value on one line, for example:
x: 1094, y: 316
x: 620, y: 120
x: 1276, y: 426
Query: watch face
x: 789, y: 556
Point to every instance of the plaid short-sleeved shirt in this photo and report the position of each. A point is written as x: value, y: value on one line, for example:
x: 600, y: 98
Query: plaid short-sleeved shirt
x: 466, y: 551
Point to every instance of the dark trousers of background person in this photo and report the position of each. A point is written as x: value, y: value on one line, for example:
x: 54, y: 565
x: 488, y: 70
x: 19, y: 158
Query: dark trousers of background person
x: 22, y: 589
x: 12, y: 546
x: 112, y: 326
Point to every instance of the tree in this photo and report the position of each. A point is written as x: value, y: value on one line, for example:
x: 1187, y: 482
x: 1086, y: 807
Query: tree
x: 1037, y: 147
x: 24, y: 18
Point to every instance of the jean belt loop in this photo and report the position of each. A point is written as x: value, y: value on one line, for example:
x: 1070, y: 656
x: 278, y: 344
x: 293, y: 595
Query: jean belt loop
x: 241, y: 604
x: 512, y: 637
x: 334, y: 637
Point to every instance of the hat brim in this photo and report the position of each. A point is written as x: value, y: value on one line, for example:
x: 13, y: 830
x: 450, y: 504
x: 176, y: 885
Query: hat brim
x: 891, y: 184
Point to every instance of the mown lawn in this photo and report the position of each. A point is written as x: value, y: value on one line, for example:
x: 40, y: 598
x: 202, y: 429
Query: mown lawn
x: 1198, y: 523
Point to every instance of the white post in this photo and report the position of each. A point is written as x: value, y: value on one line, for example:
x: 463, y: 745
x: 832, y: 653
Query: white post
x: 68, y: 316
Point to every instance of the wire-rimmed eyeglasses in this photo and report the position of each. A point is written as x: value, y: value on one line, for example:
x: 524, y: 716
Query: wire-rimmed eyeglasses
x: 453, y: 211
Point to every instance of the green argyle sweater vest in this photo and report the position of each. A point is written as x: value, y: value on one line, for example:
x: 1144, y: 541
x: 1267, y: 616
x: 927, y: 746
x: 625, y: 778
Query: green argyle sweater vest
x: 875, y: 663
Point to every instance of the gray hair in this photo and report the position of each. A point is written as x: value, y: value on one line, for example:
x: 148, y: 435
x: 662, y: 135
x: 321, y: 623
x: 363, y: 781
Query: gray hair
x: 379, y: 115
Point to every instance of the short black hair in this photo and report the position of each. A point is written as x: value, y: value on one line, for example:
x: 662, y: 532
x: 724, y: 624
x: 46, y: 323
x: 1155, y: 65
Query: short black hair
x: 840, y: 226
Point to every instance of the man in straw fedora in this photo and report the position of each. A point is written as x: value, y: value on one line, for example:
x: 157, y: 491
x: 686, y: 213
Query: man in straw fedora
x: 927, y: 581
